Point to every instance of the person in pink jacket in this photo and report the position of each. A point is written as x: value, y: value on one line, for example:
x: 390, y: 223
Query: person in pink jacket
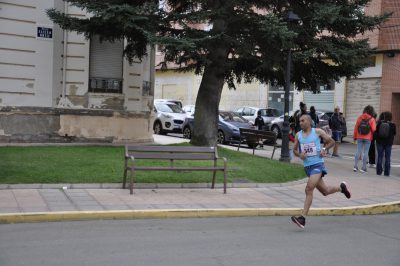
x: 363, y: 134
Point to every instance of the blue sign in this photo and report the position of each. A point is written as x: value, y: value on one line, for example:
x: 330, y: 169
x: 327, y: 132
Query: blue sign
x: 43, y: 32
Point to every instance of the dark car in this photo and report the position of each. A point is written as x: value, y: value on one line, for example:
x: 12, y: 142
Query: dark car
x: 228, y: 127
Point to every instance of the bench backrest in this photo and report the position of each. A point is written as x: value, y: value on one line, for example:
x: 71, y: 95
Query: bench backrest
x: 269, y: 135
x: 171, y: 152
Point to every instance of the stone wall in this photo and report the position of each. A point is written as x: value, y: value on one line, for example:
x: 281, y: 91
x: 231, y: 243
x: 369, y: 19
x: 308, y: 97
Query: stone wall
x: 57, y: 125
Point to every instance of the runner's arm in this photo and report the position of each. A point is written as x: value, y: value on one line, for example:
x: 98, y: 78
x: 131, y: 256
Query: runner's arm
x: 296, y: 148
x: 328, y: 141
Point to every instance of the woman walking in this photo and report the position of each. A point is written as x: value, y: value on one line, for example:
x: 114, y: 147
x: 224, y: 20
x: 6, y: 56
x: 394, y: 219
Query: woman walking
x: 363, y: 134
x: 385, y: 132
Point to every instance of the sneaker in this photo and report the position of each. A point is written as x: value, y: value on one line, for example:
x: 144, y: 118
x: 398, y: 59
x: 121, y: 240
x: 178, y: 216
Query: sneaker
x: 372, y: 165
x: 300, y: 221
x: 363, y: 171
x: 344, y: 190
x: 355, y: 169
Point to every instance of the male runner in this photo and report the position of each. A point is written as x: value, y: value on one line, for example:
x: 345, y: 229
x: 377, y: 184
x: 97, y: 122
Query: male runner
x: 307, y: 146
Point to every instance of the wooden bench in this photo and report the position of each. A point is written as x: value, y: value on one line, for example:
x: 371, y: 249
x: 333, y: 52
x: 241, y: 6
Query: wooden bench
x: 134, y: 153
x: 254, y: 137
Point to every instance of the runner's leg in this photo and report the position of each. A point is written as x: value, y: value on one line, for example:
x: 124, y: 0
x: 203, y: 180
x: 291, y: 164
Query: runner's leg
x: 311, y: 184
x: 325, y: 189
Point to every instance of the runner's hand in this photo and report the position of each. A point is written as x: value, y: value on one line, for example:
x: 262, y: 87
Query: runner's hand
x: 303, y: 156
x: 322, y: 153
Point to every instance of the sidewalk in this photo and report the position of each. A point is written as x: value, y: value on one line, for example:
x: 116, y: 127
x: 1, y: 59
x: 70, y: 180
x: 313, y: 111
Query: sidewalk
x: 370, y: 194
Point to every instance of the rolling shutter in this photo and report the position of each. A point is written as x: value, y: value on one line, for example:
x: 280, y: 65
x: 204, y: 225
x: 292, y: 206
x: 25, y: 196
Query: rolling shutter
x: 106, y: 59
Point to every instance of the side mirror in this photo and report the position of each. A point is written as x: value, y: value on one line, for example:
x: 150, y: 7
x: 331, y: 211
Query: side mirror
x: 251, y: 123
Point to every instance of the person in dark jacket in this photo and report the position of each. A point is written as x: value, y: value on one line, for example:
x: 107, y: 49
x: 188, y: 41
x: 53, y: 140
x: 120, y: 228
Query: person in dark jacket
x: 297, y: 115
x: 336, y: 123
x: 259, y: 121
x: 314, y: 116
x: 384, y: 144
x: 372, y: 150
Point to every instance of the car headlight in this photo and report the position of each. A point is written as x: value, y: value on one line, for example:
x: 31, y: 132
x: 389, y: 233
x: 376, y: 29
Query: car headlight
x: 167, y: 116
x: 233, y: 128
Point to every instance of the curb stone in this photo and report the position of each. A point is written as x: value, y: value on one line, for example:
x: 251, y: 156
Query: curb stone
x: 386, y: 208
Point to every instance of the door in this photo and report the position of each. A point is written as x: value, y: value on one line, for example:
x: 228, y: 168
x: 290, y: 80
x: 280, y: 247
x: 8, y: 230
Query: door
x: 396, y: 115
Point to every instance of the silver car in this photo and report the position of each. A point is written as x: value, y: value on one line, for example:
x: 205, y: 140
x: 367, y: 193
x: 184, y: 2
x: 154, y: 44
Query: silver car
x: 250, y: 113
x: 170, y: 117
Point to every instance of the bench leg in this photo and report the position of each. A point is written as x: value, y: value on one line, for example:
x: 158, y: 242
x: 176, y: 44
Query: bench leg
x: 240, y: 141
x: 132, y: 180
x: 225, y: 170
x: 125, y: 173
x: 214, y: 173
x: 273, y: 152
x: 124, y: 179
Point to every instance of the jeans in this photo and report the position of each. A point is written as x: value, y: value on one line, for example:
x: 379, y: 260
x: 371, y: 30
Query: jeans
x: 387, y: 151
x: 362, y: 147
x: 371, y: 153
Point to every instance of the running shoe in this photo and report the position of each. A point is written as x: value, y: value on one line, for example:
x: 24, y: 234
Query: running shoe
x: 300, y: 221
x: 355, y: 169
x: 344, y: 190
x: 363, y: 171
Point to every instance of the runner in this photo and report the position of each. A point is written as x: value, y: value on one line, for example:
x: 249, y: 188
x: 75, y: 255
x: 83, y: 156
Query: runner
x: 307, y: 146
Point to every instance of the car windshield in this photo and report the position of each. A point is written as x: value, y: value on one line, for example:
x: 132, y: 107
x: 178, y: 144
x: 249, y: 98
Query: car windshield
x: 270, y: 112
x: 232, y: 117
x: 169, y: 108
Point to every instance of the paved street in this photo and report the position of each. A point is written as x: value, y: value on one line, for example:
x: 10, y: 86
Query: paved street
x: 354, y: 240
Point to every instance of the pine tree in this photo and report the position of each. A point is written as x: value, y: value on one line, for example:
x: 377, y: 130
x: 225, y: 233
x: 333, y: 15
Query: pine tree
x: 248, y: 40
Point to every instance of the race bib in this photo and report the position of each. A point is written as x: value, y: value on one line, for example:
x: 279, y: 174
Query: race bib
x: 309, y: 148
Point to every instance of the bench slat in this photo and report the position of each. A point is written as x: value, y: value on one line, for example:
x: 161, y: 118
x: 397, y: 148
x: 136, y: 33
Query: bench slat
x: 172, y: 156
x: 159, y: 168
x: 182, y: 149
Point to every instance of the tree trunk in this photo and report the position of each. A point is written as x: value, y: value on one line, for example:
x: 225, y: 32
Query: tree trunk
x: 209, y: 95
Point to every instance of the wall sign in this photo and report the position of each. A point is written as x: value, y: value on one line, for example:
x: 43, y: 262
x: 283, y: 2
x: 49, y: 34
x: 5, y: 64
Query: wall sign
x: 44, y: 33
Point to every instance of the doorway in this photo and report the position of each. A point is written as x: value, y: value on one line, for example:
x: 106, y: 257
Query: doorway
x: 396, y: 115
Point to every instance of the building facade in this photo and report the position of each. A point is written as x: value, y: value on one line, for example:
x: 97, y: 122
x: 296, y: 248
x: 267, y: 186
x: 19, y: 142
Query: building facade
x: 82, y: 88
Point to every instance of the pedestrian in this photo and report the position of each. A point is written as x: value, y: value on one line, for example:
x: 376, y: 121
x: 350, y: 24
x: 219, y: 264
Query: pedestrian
x: 307, y: 146
x: 336, y: 123
x: 298, y: 114
x: 385, y: 132
x: 314, y: 116
x: 259, y: 121
x: 372, y: 149
x: 363, y: 134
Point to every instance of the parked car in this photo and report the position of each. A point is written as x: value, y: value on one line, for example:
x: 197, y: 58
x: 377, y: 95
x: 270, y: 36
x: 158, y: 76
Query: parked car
x: 277, y: 124
x: 228, y: 127
x: 170, y: 118
x: 177, y: 102
x: 250, y: 113
x: 189, y: 109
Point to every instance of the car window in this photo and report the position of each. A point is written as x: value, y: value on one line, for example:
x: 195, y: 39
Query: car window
x: 246, y: 111
x: 252, y: 111
x: 240, y: 110
x: 232, y: 117
x: 169, y: 108
x: 325, y: 117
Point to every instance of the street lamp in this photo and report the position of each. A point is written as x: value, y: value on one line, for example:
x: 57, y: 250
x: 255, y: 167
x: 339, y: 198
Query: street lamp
x: 285, y: 156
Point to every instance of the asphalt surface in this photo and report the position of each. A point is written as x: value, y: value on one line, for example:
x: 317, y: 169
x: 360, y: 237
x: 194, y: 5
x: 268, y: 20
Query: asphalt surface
x: 348, y: 240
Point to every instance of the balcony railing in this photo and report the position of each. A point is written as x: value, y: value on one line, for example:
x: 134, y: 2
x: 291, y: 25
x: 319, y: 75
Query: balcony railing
x: 106, y: 85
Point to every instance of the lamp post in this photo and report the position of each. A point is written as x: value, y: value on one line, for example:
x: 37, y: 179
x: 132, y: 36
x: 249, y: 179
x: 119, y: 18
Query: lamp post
x: 285, y: 156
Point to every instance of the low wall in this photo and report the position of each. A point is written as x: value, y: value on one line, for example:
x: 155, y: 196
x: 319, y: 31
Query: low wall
x: 52, y: 125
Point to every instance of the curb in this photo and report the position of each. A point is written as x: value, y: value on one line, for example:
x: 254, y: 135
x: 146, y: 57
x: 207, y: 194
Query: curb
x: 148, y: 185
x: 386, y: 208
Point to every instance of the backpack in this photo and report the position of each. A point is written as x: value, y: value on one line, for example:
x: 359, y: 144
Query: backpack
x: 364, y: 128
x: 384, y: 130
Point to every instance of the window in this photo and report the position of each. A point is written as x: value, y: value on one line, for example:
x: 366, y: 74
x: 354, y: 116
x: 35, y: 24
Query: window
x: 105, y: 66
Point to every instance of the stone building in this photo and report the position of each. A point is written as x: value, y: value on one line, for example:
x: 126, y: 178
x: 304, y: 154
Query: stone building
x: 58, y: 86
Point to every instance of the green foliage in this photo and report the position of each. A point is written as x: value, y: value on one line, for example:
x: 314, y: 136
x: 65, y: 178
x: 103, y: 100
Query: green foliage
x: 255, y: 34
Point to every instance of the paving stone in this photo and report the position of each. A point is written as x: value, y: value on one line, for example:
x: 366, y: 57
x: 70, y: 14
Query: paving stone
x: 91, y: 208
x: 9, y: 210
x: 62, y: 208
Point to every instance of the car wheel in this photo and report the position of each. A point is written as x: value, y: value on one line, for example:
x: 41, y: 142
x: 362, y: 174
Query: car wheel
x: 158, y: 128
x: 276, y: 130
x: 220, y: 137
x: 187, y: 134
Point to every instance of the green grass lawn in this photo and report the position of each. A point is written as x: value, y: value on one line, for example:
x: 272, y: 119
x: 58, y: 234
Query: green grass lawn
x: 104, y: 164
